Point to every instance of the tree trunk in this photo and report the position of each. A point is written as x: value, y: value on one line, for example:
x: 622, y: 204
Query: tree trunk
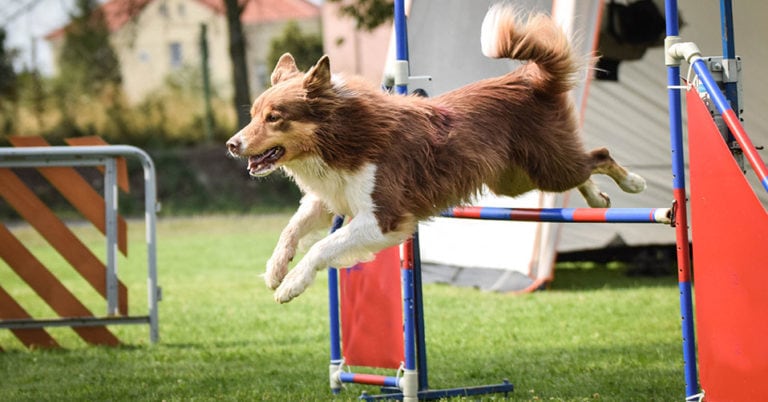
x: 242, y: 97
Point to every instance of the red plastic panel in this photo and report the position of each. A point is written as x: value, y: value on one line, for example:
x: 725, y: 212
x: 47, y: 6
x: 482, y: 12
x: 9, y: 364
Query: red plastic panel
x: 730, y: 261
x: 372, y: 312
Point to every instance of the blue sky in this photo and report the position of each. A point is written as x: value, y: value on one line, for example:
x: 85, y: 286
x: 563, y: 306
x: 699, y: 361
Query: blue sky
x: 31, y: 26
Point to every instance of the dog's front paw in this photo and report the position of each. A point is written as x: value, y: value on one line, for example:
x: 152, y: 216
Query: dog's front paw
x: 272, y: 281
x: 294, y: 284
x: 277, y: 267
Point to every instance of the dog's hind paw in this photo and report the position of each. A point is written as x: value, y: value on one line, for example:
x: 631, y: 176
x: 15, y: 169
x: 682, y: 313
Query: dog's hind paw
x: 601, y: 200
x: 294, y: 284
x: 633, y: 183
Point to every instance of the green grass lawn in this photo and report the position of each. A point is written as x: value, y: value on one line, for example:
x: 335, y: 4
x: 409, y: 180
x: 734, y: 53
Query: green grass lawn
x: 595, y: 335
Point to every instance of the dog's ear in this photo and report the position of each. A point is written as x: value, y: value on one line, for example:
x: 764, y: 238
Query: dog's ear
x: 284, y: 69
x: 318, y: 78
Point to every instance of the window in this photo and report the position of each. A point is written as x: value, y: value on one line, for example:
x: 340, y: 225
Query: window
x: 176, y: 55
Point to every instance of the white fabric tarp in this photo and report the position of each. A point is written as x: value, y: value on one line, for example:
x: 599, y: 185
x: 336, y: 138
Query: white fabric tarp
x: 629, y: 117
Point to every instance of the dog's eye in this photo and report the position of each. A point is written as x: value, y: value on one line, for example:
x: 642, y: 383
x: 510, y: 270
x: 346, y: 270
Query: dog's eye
x: 272, y: 117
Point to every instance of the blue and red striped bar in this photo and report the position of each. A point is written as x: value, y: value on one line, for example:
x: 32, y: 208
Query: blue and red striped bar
x: 369, y: 379
x: 606, y: 215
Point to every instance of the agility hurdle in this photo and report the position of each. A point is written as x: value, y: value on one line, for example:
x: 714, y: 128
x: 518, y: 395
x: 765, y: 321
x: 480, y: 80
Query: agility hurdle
x: 733, y: 355
x: 729, y: 251
x: 564, y: 215
x: 406, y: 322
x: 56, y: 164
x: 405, y: 335
x: 397, y: 324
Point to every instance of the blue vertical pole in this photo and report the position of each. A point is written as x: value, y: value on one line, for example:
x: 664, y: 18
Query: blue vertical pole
x: 401, y: 49
x: 421, y: 337
x: 731, y: 89
x: 729, y: 53
x: 409, y: 306
x: 680, y: 218
x: 412, y: 374
x: 333, y: 310
x: 401, y: 87
x: 409, y: 383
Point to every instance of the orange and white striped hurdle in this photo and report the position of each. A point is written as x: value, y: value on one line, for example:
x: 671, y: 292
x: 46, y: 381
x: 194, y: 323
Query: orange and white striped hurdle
x: 57, y: 165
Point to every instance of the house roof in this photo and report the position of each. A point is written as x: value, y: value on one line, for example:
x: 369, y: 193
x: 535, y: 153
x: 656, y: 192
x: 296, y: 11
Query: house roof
x: 259, y: 11
x: 117, y: 13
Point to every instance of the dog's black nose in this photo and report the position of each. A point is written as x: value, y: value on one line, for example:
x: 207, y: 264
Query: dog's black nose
x: 233, y: 145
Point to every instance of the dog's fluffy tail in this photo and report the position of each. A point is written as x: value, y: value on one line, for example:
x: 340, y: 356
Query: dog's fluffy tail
x: 539, y: 40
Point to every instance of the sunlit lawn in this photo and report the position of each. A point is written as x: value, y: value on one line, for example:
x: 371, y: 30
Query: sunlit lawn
x: 596, y: 335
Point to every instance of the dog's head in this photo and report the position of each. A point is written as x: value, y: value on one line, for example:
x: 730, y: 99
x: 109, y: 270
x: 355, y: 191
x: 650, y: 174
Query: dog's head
x: 284, y: 118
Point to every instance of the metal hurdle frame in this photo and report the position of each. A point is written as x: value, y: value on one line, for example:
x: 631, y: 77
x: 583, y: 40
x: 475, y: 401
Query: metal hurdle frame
x: 676, y: 216
x: 413, y: 384
x: 724, y: 103
x: 100, y: 156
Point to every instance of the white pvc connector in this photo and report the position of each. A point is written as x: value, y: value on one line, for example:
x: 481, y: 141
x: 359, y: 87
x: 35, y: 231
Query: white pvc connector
x: 409, y: 384
x: 401, y: 72
x: 335, y: 380
x: 677, y: 50
x: 663, y: 215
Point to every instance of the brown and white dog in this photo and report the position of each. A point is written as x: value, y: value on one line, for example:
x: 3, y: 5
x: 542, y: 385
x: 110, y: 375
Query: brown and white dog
x: 390, y: 161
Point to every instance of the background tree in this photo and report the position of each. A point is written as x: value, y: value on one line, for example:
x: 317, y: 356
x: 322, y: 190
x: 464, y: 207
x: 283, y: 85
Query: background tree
x: 8, y: 86
x: 89, y: 70
x: 87, y: 62
x: 305, y: 48
x: 368, y: 14
x: 242, y: 98
x: 7, y: 74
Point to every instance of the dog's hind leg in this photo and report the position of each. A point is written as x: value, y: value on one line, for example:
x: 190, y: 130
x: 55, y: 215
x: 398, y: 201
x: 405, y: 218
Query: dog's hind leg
x: 355, y: 241
x: 592, y: 194
x: 311, y: 215
x: 603, y: 163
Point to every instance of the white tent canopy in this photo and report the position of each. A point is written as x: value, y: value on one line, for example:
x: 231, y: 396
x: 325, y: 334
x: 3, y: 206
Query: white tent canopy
x: 629, y: 117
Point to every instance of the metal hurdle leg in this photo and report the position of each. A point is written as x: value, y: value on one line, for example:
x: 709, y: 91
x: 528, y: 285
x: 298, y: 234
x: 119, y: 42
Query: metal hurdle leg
x: 334, y: 368
x: 409, y: 384
x: 680, y: 218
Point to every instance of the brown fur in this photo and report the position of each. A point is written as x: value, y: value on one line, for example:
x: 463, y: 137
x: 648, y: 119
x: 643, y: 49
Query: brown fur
x: 514, y: 133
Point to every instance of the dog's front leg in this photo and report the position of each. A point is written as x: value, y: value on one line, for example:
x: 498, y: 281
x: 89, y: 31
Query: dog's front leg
x: 311, y: 215
x: 357, y: 240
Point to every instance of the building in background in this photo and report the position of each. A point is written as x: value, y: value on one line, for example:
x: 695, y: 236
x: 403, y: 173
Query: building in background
x: 353, y: 51
x: 155, y: 39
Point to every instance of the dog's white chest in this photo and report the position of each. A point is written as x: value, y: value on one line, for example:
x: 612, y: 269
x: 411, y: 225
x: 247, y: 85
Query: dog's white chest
x: 345, y: 193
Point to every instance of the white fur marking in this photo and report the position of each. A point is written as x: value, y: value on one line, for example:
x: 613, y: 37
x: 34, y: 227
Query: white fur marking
x: 347, y: 194
x: 592, y: 194
x: 489, y: 33
x: 310, y: 216
x: 633, y: 183
x: 337, y: 81
x: 351, y: 244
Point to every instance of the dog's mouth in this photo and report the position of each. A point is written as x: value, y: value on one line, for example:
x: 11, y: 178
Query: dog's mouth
x: 264, y: 163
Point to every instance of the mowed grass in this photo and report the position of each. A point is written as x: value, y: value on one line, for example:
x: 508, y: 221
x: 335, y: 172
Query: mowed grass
x: 596, y: 335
